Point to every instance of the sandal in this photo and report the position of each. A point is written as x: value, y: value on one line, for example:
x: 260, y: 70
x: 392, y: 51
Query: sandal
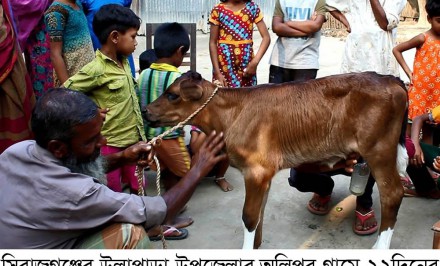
x: 409, y: 190
x: 319, y: 205
x: 363, y: 218
x: 170, y: 234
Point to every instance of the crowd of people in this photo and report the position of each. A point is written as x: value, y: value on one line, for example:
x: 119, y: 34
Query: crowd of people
x: 72, y: 131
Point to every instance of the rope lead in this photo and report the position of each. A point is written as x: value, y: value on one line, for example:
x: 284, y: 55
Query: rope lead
x: 139, y: 173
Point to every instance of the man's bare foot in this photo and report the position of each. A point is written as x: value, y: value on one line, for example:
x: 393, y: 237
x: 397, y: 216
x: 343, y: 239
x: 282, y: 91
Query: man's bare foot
x: 182, y: 221
x: 156, y: 230
x: 223, y: 184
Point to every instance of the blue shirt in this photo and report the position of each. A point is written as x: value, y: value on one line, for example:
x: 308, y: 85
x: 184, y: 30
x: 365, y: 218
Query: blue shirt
x: 90, y: 8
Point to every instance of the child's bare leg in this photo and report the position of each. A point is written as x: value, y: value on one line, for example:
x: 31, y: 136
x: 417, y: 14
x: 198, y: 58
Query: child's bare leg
x: 220, y: 179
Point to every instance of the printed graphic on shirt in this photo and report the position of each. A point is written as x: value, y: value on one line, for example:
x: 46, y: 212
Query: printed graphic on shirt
x: 298, y: 10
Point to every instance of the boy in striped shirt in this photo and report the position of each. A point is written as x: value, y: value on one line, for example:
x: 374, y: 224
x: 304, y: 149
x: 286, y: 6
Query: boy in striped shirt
x: 171, y: 42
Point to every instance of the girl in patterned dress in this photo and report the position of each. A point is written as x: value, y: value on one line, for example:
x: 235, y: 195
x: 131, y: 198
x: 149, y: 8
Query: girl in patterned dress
x: 71, y: 46
x: 424, y: 90
x: 231, y: 43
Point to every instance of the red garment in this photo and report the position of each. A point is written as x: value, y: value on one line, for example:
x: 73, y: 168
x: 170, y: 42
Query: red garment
x: 7, y: 46
x: 409, y: 145
x: 16, y: 95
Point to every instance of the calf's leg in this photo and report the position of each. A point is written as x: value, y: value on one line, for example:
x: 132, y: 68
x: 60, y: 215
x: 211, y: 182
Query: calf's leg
x: 257, y: 184
x: 259, y: 233
x: 391, y: 194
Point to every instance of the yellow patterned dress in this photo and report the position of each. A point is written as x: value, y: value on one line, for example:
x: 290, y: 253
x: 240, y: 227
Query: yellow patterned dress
x: 235, y: 41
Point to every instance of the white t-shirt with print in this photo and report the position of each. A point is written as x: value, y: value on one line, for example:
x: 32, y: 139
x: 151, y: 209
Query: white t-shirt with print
x: 301, y: 52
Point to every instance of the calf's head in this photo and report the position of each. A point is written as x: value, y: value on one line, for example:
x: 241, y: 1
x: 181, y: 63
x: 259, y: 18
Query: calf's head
x: 180, y: 100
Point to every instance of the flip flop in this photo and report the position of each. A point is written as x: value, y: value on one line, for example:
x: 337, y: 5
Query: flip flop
x: 409, y: 190
x: 168, y: 234
x: 323, y: 202
x: 363, y: 218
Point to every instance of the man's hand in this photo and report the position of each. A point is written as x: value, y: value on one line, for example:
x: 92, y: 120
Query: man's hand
x: 202, y: 162
x: 209, y: 154
x: 346, y: 164
x: 140, y: 153
x: 350, y: 162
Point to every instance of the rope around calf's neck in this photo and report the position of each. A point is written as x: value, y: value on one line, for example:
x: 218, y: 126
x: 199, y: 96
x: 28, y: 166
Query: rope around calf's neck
x: 139, y: 173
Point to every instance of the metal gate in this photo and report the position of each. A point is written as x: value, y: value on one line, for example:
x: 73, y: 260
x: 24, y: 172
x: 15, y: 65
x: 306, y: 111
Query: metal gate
x: 187, y: 11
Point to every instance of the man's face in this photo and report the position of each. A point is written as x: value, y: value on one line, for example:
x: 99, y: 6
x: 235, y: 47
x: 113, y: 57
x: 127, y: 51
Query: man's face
x: 95, y: 168
x: 87, y: 141
x: 84, y: 155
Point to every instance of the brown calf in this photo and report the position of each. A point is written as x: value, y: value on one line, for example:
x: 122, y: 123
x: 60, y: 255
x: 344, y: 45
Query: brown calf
x: 275, y: 126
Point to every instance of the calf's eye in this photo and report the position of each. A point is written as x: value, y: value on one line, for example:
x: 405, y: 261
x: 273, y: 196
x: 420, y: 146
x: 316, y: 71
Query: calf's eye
x: 172, y: 96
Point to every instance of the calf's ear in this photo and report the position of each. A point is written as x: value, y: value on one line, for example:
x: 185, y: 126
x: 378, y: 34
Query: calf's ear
x: 190, y: 90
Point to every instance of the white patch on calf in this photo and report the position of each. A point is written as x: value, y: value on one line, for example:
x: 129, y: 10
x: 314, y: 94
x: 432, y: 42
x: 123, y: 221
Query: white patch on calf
x: 249, y: 237
x: 384, y: 239
x: 402, y: 160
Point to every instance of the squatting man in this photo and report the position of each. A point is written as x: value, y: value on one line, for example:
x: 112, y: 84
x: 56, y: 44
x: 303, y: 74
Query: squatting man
x: 50, y: 190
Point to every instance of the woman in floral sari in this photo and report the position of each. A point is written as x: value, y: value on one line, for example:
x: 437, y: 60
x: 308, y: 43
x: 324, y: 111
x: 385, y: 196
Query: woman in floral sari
x: 16, y: 95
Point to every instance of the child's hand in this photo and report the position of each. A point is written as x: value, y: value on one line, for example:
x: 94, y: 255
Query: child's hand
x: 418, y: 160
x: 103, y: 112
x: 220, y: 80
x: 410, y: 76
x: 250, y: 70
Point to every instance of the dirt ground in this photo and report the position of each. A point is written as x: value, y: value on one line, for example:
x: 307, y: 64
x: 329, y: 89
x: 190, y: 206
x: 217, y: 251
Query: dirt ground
x: 287, y: 223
